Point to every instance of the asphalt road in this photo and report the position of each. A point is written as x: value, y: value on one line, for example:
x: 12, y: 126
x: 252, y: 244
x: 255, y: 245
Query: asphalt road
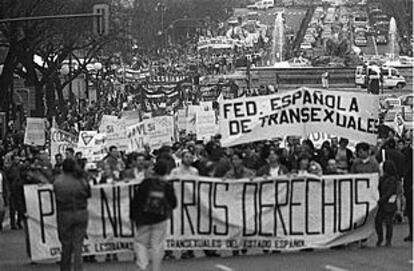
x: 396, y: 258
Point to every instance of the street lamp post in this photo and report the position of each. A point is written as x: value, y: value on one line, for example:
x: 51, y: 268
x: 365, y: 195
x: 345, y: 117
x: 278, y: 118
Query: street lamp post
x: 161, y: 8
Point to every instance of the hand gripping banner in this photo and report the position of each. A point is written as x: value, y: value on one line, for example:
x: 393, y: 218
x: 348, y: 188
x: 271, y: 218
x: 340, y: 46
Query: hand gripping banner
x: 284, y: 213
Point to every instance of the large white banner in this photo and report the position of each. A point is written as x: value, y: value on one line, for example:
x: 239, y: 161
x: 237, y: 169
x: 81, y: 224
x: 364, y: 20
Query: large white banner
x: 299, y: 112
x: 284, y: 213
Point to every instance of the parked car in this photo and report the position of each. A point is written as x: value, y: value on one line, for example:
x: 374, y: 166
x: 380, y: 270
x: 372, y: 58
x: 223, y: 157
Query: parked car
x: 382, y: 39
x: 390, y: 76
x: 407, y: 100
x: 361, y: 41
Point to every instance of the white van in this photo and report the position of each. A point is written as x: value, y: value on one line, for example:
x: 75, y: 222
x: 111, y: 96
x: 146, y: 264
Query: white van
x: 390, y: 76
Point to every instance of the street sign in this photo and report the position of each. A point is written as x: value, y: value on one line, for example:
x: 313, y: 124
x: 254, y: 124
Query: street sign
x: 101, y: 20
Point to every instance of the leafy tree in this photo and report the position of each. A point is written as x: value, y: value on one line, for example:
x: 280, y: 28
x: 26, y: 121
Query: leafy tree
x: 54, y: 41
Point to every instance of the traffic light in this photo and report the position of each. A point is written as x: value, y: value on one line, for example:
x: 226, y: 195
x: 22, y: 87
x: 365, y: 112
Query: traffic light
x: 101, y: 20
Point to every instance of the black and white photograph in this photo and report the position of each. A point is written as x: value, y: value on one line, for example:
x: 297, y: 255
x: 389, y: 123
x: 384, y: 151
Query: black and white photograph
x: 211, y: 135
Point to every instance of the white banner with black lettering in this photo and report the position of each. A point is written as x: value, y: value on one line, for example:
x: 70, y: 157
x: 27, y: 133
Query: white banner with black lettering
x: 299, y: 112
x: 284, y: 213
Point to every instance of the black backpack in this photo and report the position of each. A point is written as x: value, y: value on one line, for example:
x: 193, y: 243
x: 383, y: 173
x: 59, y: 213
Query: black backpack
x: 156, y: 204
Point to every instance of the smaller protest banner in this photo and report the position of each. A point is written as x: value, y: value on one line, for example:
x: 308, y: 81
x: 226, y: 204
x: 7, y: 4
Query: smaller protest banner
x: 35, y: 132
x: 191, y: 118
x: 155, y: 132
x: 206, y: 125
x: 163, y: 134
x: 109, y: 124
x: 207, y: 106
x: 129, y: 117
x: 60, y: 141
x: 136, y: 137
x: 181, y: 119
x: 92, y: 145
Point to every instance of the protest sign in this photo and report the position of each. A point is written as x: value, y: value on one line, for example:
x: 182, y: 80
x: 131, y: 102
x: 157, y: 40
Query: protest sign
x: 92, y: 145
x: 129, y: 117
x: 60, y: 141
x: 163, y: 134
x: 115, y: 131
x: 191, y: 118
x: 207, y: 106
x: 206, y: 124
x: 283, y: 213
x: 35, y: 132
x: 155, y: 132
x: 110, y: 124
x: 299, y: 112
x: 182, y: 119
x: 320, y: 137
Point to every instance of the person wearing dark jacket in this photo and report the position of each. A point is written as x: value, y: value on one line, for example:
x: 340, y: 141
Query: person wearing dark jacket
x: 393, y: 154
x: 408, y: 189
x: 150, y: 209
x: 4, y: 195
x: 387, y: 205
x: 72, y: 192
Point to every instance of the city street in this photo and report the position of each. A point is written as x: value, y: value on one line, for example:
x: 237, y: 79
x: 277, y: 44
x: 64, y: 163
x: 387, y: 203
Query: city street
x: 256, y: 135
x: 397, y: 258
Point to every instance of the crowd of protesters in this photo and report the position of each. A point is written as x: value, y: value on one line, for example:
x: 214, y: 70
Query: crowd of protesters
x: 29, y: 165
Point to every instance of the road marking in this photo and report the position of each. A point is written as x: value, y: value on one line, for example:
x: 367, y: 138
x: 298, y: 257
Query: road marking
x: 223, y: 267
x: 334, y: 268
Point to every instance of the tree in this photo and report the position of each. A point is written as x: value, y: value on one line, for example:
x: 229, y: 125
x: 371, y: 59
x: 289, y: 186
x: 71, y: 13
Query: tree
x: 53, y: 40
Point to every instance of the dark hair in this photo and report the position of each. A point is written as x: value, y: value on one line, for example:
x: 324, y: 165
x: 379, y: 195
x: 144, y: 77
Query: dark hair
x: 71, y: 167
x: 391, y: 143
x: 362, y: 146
x: 389, y: 168
x: 164, y: 149
x: 326, y: 143
x: 112, y: 148
x: 309, y: 143
x: 71, y: 150
x: 58, y: 155
x: 162, y: 167
x: 345, y: 140
x: 304, y: 156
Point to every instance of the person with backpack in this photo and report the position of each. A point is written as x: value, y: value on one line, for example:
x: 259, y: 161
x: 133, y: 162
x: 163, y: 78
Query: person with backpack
x: 150, y: 209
